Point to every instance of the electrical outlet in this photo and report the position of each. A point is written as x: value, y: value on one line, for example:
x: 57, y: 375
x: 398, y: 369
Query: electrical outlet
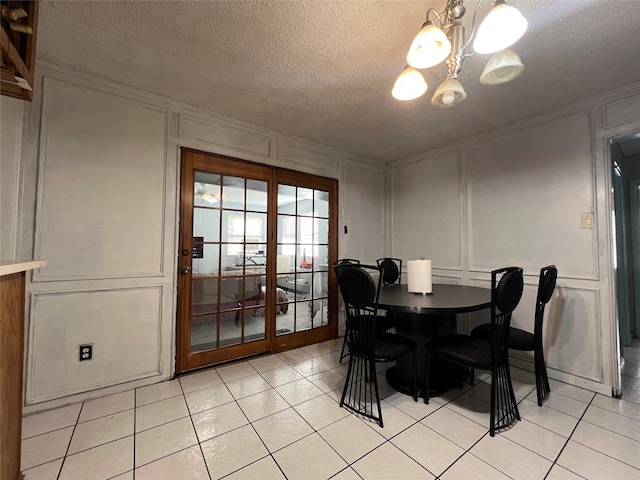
x: 85, y: 352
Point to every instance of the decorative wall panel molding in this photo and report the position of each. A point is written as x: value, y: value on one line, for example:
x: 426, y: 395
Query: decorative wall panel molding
x: 621, y: 112
x: 572, y: 328
x: 446, y: 279
x: 426, y: 211
x: 362, y: 210
x: 11, y: 136
x: 299, y: 155
x: 101, y: 205
x: 527, y: 192
x: 123, y: 325
x: 227, y: 136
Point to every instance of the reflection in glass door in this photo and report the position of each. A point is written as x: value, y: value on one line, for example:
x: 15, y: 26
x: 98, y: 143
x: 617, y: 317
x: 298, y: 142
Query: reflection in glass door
x: 303, y: 257
x: 229, y: 261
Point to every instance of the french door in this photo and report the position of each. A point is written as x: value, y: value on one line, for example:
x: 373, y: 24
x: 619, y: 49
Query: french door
x: 256, y: 243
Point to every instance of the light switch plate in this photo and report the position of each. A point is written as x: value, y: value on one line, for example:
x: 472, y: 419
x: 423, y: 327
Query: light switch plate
x: 587, y: 220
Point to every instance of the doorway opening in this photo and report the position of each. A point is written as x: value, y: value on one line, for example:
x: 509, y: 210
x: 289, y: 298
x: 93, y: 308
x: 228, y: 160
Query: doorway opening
x: 625, y: 227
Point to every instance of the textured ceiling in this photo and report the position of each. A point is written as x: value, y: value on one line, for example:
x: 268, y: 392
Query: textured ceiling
x: 323, y: 70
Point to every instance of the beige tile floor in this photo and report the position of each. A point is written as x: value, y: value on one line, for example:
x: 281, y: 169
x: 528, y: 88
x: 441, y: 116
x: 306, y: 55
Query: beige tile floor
x: 277, y: 417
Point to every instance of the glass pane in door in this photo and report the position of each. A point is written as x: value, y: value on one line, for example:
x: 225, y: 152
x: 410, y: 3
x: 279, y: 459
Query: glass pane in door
x: 303, y: 250
x: 228, y: 261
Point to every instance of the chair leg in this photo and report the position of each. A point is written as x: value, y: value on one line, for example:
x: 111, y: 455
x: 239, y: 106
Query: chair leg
x: 542, y: 381
x: 372, y: 370
x: 504, y: 408
x: 427, y: 366
x: 345, y: 348
x: 347, y: 383
x: 375, y: 384
x: 360, y: 393
x: 415, y: 376
x: 472, y: 377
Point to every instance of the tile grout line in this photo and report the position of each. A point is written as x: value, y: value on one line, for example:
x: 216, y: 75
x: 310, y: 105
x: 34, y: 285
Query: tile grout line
x: 349, y: 465
x: 468, y: 451
x: 64, y: 458
x: 135, y: 430
x: 555, y: 462
x: 206, y: 465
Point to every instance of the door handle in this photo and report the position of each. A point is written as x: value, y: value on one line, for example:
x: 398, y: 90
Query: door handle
x: 185, y: 270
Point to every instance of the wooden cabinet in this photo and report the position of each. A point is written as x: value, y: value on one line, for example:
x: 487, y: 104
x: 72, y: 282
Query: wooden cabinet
x: 12, y: 284
x: 19, y: 52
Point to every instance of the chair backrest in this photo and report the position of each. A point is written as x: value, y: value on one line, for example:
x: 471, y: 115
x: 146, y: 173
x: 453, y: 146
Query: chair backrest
x: 392, y: 270
x: 546, y: 286
x: 346, y: 261
x: 360, y: 293
x: 505, y: 296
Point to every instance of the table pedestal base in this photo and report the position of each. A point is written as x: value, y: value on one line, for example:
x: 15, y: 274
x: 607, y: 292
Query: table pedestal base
x: 424, y: 328
x: 443, y: 378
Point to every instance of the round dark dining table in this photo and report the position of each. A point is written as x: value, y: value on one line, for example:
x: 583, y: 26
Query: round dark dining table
x: 423, y: 318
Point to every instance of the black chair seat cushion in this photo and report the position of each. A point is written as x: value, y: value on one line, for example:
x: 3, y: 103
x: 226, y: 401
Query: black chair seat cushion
x: 518, y: 339
x: 472, y: 352
x: 389, y: 346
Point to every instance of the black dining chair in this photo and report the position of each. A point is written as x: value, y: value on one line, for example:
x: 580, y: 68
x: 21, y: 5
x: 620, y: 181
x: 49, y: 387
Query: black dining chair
x: 384, y: 322
x: 391, y: 276
x: 345, y: 349
x: 348, y: 261
x: 531, y: 342
x: 367, y: 344
x: 476, y: 353
x: 392, y: 270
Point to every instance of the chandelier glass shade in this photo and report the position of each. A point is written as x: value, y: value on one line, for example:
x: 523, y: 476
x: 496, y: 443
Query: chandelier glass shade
x: 409, y: 85
x: 502, y: 26
x: 503, y: 67
x: 430, y: 47
x: 449, y: 94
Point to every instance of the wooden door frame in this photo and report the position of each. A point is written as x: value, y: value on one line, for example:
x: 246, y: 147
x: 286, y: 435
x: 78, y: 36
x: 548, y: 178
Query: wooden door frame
x: 185, y: 360
x: 634, y: 214
x: 306, y: 180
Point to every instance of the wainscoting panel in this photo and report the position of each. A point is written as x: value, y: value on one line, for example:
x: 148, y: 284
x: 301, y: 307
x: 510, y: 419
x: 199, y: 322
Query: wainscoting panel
x: 527, y: 193
x: 123, y: 325
x: 11, y: 132
x: 362, y: 201
x: 101, y: 205
x: 425, y: 198
x: 621, y: 112
x: 226, y: 136
x: 299, y: 155
x: 445, y: 279
x: 572, y: 336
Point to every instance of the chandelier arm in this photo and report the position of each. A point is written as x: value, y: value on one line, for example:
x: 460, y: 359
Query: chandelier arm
x: 437, y: 14
x: 473, y: 29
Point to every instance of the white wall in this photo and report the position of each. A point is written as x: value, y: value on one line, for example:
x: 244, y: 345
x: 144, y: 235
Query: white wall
x: 516, y: 196
x: 106, y: 160
x: 104, y: 216
x: 10, y: 138
x: 363, y: 210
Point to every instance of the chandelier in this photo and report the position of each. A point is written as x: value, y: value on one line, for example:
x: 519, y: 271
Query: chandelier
x: 209, y: 197
x: 443, y: 38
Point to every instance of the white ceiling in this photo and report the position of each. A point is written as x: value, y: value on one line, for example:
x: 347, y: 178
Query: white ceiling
x: 323, y: 70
